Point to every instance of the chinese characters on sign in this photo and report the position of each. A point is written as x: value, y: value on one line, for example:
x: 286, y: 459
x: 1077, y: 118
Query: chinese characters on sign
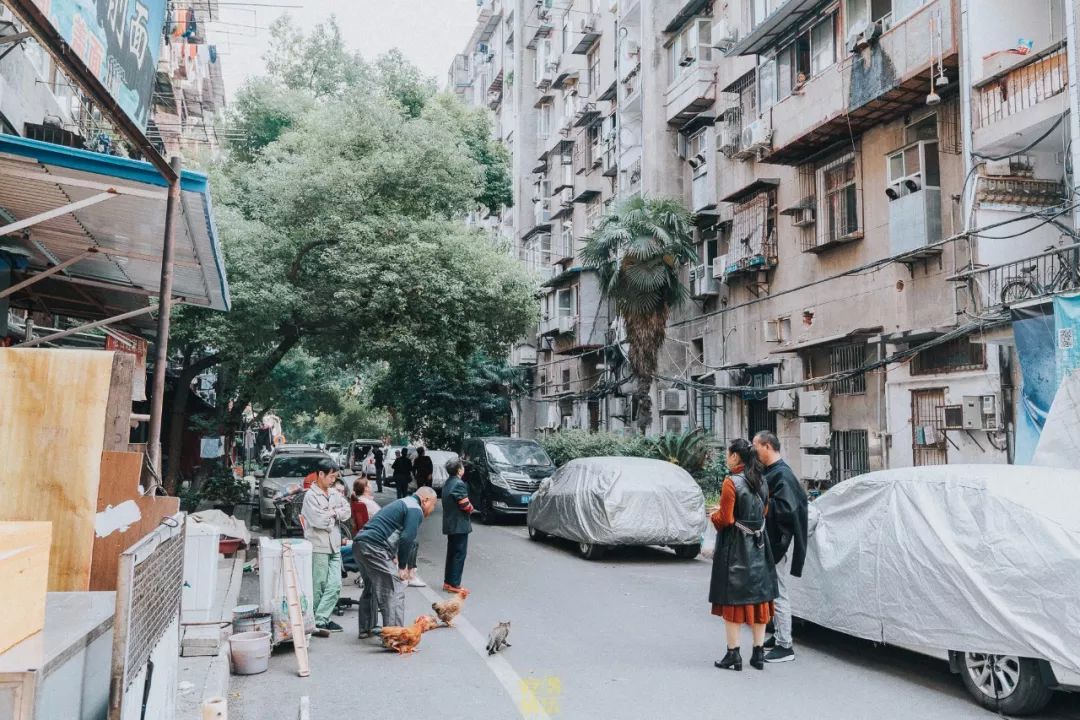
x: 118, y: 41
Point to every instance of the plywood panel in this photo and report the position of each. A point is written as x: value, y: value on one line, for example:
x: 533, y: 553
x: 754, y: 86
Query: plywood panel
x: 52, y: 428
x: 107, y: 550
x: 119, y: 478
x: 118, y: 412
x: 24, y: 569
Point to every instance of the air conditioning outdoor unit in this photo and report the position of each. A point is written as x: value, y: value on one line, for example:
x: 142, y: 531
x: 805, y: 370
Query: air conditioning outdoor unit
x: 953, y: 417
x: 813, y: 403
x: 781, y: 400
x: 673, y: 400
x: 760, y: 134
x: 567, y: 323
x: 728, y: 141
x: 588, y: 23
x: 676, y: 424
x: 815, y: 435
x: 697, y: 161
x: 803, y: 217
x: 816, y: 467
x: 725, y: 35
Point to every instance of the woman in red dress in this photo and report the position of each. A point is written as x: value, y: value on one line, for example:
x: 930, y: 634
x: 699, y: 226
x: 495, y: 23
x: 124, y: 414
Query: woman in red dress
x: 743, y: 577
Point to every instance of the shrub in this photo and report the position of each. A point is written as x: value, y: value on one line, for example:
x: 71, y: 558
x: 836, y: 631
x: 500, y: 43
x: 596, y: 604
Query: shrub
x: 711, y: 477
x: 687, y: 450
x: 566, y: 445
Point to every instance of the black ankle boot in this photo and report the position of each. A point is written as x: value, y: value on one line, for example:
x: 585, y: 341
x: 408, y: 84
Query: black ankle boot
x: 731, y: 661
x: 757, y: 659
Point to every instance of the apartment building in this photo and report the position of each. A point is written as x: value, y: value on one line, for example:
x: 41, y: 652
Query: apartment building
x: 842, y: 158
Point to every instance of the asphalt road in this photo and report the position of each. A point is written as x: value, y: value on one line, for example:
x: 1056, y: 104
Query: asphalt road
x: 626, y: 638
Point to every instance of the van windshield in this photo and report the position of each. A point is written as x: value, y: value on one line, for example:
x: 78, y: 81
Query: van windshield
x: 517, y: 452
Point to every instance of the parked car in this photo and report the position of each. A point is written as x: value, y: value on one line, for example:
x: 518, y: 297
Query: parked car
x: 978, y: 565
x: 291, y: 448
x: 603, y: 502
x: 503, y: 473
x: 357, y: 451
x: 439, y: 476
x: 285, y: 470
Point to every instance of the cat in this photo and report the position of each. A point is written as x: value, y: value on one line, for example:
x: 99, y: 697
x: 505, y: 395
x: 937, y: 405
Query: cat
x: 497, y: 638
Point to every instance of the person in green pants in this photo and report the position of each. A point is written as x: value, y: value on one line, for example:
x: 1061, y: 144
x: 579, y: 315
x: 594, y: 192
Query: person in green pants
x: 325, y: 507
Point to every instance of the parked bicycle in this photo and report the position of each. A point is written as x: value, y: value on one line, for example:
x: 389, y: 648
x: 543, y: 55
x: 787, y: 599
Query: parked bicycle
x: 1029, y: 285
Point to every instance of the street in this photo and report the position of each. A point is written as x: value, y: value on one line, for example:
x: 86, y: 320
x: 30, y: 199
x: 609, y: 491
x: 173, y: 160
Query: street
x: 628, y: 637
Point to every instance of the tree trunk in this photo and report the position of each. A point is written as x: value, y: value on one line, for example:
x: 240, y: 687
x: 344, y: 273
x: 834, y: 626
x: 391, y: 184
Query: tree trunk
x: 290, y: 336
x: 646, y: 335
x: 178, y: 416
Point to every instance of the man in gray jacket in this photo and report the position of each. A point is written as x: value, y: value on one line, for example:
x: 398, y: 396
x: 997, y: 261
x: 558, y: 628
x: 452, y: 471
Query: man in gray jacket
x: 324, y: 508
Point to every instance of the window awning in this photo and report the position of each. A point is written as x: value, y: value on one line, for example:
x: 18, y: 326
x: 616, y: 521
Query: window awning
x: 858, y: 333
x: 102, y: 218
x: 775, y: 26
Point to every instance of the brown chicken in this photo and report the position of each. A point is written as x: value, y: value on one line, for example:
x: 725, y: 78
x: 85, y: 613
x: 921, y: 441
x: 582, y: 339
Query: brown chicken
x: 405, y: 639
x: 450, y: 609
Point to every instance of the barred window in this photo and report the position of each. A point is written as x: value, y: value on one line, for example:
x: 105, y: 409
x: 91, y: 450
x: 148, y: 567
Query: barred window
x: 848, y: 357
x: 850, y: 454
x: 953, y: 356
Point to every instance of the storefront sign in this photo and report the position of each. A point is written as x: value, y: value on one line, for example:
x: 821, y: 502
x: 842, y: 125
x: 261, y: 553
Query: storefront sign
x: 118, y: 40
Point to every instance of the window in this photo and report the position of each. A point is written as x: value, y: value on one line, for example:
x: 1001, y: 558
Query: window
x: 691, y: 45
x: 697, y: 350
x: 766, y: 85
x: 706, y: 406
x: 566, y: 302
x: 914, y: 167
x: 761, y: 9
x: 566, y: 380
x: 860, y: 12
x: 844, y: 358
x: 541, y: 57
x: 592, y: 80
x: 543, y: 121
x: 952, y: 356
x: 566, y: 33
x: 697, y: 152
x: 592, y: 146
x: 822, y: 45
x: 750, y: 228
x: 839, y: 205
x: 850, y: 454
x: 594, y: 210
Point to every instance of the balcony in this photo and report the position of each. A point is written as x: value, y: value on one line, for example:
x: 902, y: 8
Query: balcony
x: 1038, y: 277
x: 887, y: 78
x: 691, y: 94
x: 836, y: 221
x: 703, y: 193
x: 588, y: 187
x: 563, y: 248
x: 1020, y: 192
x: 540, y: 22
x: 1010, y: 107
x: 561, y: 325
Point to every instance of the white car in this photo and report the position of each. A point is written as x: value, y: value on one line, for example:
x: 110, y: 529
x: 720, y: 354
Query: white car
x: 975, y: 564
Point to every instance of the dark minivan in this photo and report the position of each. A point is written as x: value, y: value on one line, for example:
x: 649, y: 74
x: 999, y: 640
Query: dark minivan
x: 502, y: 474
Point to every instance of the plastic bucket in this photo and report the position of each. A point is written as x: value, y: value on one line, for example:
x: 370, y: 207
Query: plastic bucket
x: 250, y: 652
x: 261, y: 622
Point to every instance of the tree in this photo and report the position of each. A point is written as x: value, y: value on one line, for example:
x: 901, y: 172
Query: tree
x: 340, y: 218
x: 639, y: 251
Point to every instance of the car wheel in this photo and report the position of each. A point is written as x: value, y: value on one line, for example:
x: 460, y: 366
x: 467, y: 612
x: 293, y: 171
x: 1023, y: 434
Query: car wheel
x: 1005, y: 683
x: 590, y: 551
x: 687, y: 552
x: 487, y: 513
x: 537, y: 535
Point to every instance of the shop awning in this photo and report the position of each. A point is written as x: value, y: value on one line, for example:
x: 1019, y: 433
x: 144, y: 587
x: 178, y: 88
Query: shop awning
x: 94, y: 225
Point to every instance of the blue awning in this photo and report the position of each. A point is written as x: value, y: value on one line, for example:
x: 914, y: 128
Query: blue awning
x: 111, y: 212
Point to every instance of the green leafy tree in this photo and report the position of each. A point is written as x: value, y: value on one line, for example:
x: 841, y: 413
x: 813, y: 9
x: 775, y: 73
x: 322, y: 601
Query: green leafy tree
x: 639, y: 251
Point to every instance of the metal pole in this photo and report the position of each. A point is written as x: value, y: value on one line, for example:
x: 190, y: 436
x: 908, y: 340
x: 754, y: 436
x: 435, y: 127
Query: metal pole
x: 157, y: 396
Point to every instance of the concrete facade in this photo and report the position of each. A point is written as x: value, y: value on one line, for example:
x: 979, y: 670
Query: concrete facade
x: 844, y: 161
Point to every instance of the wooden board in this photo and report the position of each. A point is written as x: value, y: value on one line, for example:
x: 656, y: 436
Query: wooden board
x: 51, y: 438
x: 24, y: 574
x: 107, y: 550
x: 118, y: 410
x: 119, y: 478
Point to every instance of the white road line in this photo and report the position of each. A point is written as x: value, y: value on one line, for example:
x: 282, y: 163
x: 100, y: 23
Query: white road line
x: 513, y: 683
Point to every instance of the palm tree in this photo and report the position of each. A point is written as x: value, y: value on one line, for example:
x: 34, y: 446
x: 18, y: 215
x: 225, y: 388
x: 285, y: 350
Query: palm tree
x: 639, y: 251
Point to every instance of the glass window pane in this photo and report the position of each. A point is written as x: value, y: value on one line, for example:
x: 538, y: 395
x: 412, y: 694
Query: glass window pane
x: 912, y: 163
x: 933, y: 170
x: 896, y: 167
x: 785, y: 71
x: 822, y: 45
x: 767, y: 85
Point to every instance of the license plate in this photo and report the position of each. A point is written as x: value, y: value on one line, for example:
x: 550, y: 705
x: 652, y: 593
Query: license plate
x: 525, y: 499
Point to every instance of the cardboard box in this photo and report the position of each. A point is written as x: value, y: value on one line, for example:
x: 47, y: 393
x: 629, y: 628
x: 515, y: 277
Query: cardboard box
x: 24, y: 575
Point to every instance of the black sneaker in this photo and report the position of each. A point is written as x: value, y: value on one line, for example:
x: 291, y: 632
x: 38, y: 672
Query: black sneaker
x: 770, y: 643
x: 332, y: 627
x: 321, y: 631
x: 780, y: 654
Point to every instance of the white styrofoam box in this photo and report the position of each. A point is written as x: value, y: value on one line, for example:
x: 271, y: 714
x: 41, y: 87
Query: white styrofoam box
x: 272, y: 586
x: 815, y: 435
x: 200, y: 570
x: 813, y: 403
x: 782, y: 400
x: 816, y: 467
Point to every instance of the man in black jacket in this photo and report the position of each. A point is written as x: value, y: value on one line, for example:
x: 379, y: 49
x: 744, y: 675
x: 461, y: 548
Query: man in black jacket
x: 785, y: 526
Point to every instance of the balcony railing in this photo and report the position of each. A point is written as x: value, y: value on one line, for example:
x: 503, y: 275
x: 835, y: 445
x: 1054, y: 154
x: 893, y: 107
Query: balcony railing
x: 1037, y: 78
x: 836, y: 220
x: 1001, y: 286
x: 1026, y: 192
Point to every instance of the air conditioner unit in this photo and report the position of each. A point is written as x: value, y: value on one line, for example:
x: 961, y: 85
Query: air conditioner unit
x: 697, y: 161
x: 815, y: 435
x: 980, y: 412
x: 760, y: 134
x: 725, y: 35
x: 588, y: 23
x: 781, y: 400
x: 803, y: 217
x: 673, y: 400
x: 953, y: 417
x: 813, y: 403
x: 816, y: 467
x: 567, y: 323
x: 677, y: 424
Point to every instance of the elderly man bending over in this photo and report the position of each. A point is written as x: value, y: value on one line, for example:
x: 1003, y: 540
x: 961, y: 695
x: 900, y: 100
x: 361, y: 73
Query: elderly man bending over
x: 383, y: 549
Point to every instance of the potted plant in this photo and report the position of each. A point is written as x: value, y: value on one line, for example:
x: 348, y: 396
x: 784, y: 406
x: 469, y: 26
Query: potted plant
x: 225, y: 490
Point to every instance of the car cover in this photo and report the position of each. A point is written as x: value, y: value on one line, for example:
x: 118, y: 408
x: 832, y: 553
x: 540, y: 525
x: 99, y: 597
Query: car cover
x: 976, y: 558
x: 620, y: 501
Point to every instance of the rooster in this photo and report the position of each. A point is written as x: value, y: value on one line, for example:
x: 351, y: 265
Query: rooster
x: 451, y: 608
x: 405, y: 639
